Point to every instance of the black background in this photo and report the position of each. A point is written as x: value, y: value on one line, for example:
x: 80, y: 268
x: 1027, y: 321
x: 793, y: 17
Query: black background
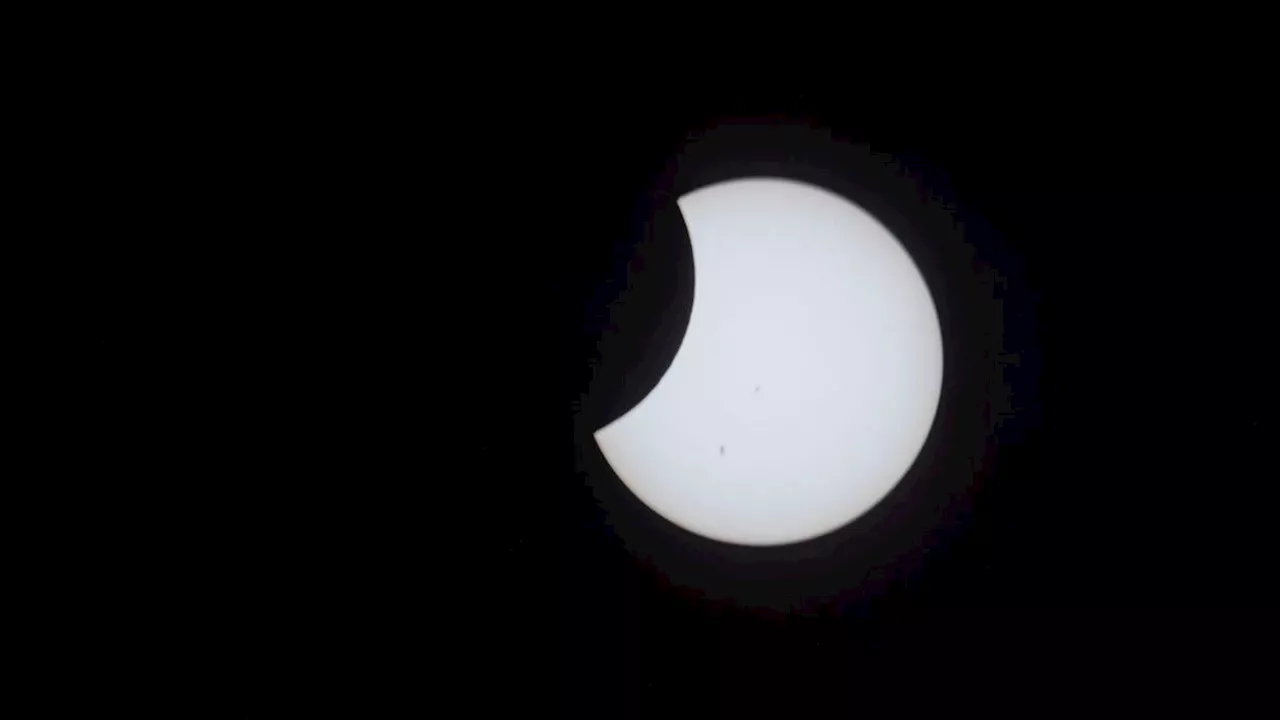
x: 439, y: 341
x: 356, y: 475
x: 1123, y: 532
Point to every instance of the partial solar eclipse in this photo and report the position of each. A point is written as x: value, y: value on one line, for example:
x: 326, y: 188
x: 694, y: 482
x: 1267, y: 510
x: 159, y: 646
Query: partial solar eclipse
x: 808, y: 377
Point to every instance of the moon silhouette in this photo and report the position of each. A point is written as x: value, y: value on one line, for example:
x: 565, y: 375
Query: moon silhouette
x: 808, y: 377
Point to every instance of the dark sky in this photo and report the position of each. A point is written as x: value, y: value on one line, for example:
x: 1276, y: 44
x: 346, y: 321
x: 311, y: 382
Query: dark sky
x: 1115, y: 536
x: 1122, y: 514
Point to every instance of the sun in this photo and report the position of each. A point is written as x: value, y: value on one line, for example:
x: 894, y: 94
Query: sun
x: 808, y: 377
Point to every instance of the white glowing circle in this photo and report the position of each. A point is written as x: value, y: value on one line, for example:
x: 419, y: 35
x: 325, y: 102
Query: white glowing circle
x: 808, y: 377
